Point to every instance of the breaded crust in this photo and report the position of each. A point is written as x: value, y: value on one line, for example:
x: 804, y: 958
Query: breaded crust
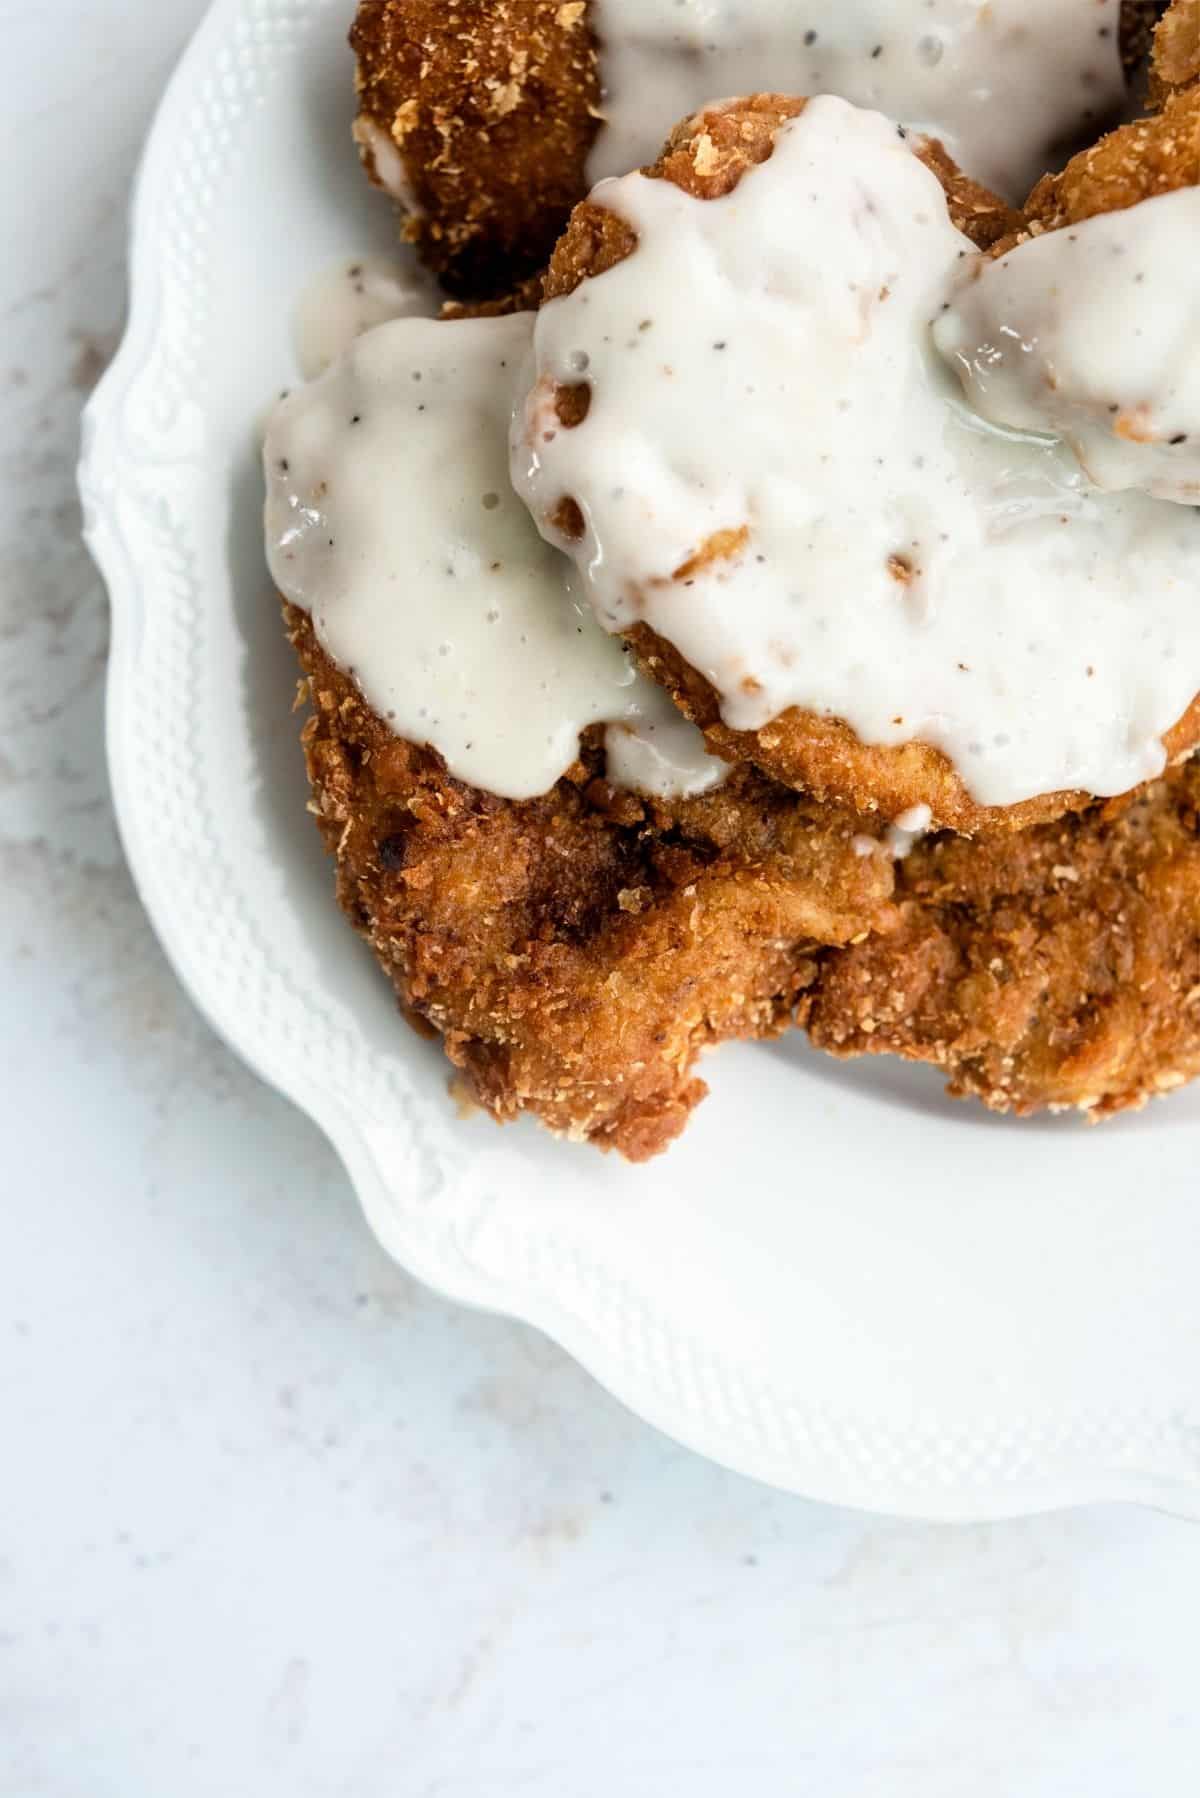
x: 1058, y: 968
x: 1151, y: 156
x: 1139, y: 21
x: 579, y: 951
x: 825, y: 758
x: 493, y: 106
x: 1176, y: 59
x: 707, y: 156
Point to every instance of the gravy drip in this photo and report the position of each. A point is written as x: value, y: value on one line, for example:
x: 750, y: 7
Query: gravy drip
x: 391, y: 520
x: 1092, y: 334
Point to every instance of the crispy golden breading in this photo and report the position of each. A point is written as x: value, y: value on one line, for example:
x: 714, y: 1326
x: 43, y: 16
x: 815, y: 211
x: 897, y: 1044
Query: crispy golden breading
x: 493, y: 106
x: 1059, y: 967
x: 1176, y: 59
x: 1139, y: 21
x: 825, y: 758
x: 707, y: 156
x: 1155, y: 155
x: 578, y: 952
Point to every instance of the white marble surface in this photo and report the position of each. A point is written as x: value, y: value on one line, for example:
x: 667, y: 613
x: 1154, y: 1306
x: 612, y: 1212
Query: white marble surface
x: 272, y: 1519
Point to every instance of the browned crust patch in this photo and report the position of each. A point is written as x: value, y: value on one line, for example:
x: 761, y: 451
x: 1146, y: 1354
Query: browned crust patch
x: 1056, y: 968
x: 1175, y: 61
x: 492, y: 106
x: 1139, y: 19
x: 577, y: 953
x: 1151, y: 156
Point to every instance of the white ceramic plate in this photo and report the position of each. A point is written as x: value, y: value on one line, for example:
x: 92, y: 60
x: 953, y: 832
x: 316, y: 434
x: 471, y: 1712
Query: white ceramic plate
x: 839, y: 1281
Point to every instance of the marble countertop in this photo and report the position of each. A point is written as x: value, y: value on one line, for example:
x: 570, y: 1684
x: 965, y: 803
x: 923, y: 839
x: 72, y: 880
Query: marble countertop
x: 273, y: 1518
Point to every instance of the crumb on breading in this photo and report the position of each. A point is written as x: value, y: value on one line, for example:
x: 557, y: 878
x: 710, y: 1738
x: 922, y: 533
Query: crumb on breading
x: 1058, y: 968
x: 578, y: 952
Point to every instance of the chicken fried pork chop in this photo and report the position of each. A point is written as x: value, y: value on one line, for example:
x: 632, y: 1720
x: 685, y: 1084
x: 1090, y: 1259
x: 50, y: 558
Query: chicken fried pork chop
x: 799, y: 533
x: 486, y: 119
x: 578, y: 952
x: 1057, y: 968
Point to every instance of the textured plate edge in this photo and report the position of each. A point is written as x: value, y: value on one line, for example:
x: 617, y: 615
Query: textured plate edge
x: 447, y: 1271
x: 105, y: 541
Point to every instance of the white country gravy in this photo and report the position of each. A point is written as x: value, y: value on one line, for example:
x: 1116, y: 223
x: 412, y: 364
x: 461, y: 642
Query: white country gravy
x: 354, y: 296
x: 1092, y: 333
x: 1004, y: 83
x: 764, y: 385
x: 390, y: 518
